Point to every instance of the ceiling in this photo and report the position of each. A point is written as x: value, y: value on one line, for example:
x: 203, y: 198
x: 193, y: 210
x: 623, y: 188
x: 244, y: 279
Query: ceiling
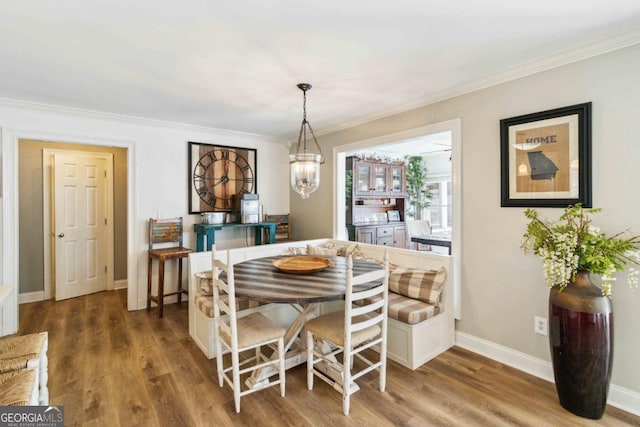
x: 235, y: 64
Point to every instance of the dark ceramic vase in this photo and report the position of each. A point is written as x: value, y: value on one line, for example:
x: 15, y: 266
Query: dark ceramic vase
x: 581, y: 341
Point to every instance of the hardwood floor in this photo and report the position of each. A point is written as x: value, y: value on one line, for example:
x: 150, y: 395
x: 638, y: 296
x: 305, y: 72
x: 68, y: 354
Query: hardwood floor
x: 110, y: 367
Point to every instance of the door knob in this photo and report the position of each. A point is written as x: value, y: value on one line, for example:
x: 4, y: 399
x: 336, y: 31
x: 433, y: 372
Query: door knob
x: 61, y: 235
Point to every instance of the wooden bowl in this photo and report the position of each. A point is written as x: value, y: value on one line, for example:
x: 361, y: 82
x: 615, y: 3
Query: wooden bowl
x: 302, y: 264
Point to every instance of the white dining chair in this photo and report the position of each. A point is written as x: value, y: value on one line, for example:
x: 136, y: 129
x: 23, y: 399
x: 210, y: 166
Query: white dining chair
x: 362, y: 325
x: 417, y: 228
x: 238, y: 335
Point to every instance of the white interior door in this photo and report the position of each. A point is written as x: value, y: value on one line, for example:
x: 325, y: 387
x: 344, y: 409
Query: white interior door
x: 79, y: 225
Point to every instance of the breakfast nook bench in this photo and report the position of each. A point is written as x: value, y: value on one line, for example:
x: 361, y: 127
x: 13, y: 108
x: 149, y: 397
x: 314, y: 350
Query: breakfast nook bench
x: 421, y: 321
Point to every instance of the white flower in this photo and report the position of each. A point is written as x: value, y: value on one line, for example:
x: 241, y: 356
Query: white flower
x: 572, y: 242
x: 634, y: 255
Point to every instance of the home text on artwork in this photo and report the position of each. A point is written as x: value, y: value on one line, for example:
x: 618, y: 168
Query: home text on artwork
x: 547, y: 139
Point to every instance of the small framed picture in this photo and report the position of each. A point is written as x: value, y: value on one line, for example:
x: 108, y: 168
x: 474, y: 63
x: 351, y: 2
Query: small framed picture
x: 546, y: 158
x: 393, y: 215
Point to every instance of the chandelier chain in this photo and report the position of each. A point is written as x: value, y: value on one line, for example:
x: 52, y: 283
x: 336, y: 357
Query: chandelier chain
x: 302, y: 137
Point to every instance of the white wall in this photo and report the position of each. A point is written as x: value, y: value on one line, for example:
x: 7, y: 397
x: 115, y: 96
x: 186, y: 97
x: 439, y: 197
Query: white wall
x: 503, y: 289
x: 158, y: 178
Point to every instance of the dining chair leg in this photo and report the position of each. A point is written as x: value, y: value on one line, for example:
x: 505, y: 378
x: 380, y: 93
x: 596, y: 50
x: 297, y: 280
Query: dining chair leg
x: 346, y: 381
x: 219, y: 365
x: 345, y: 403
x: 235, y: 360
x: 383, y: 370
x: 309, y: 361
x: 282, y: 366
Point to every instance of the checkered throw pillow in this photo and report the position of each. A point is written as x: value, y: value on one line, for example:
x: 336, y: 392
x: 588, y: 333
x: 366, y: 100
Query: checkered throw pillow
x: 424, y: 285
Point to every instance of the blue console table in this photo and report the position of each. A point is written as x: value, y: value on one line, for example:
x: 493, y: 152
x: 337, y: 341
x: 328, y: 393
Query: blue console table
x: 208, y: 231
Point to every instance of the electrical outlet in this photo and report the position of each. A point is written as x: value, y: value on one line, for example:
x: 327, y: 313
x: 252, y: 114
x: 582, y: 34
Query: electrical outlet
x: 540, y: 325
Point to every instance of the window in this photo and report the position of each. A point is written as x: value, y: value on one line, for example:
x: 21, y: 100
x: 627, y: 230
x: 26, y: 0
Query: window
x: 439, y: 211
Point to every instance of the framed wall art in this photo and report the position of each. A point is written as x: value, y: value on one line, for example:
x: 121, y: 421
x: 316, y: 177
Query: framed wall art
x: 546, y: 158
x: 216, y: 173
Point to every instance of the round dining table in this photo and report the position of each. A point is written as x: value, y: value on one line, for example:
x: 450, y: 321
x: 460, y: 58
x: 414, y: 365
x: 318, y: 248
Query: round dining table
x: 260, y: 280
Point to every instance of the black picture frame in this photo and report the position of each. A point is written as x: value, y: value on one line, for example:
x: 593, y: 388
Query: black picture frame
x: 546, y: 158
x: 208, y: 164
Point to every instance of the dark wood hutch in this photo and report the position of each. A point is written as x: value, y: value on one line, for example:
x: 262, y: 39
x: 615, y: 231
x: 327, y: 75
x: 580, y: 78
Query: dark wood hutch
x: 377, y: 188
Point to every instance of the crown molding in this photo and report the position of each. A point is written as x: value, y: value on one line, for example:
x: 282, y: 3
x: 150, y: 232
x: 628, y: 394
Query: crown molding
x: 565, y: 57
x: 122, y: 118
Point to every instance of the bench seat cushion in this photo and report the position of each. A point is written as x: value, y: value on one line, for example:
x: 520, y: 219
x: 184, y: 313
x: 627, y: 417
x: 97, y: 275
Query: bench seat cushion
x: 408, y: 310
x: 204, y: 303
x: 206, y: 284
x: 204, y: 297
x: 411, y: 311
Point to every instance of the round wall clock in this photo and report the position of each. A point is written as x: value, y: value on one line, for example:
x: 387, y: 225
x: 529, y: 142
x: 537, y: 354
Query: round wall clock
x: 219, y: 174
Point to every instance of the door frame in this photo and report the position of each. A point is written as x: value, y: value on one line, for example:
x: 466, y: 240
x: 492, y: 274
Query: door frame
x: 9, y: 198
x: 47, y: 193
x: 339, y: 164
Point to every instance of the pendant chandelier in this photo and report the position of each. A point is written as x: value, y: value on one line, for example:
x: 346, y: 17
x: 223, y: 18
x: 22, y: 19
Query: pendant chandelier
x: 305, y: 166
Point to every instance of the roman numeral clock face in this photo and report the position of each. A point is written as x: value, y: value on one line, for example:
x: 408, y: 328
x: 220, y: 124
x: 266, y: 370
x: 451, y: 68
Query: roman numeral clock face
x: 218, y: 175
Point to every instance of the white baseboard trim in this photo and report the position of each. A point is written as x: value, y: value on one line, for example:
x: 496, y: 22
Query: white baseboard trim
x: 625, y: 399
x: 521, y: 361
x: 620, y: 397
x: 39, y: 295
x: 31, y: 297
